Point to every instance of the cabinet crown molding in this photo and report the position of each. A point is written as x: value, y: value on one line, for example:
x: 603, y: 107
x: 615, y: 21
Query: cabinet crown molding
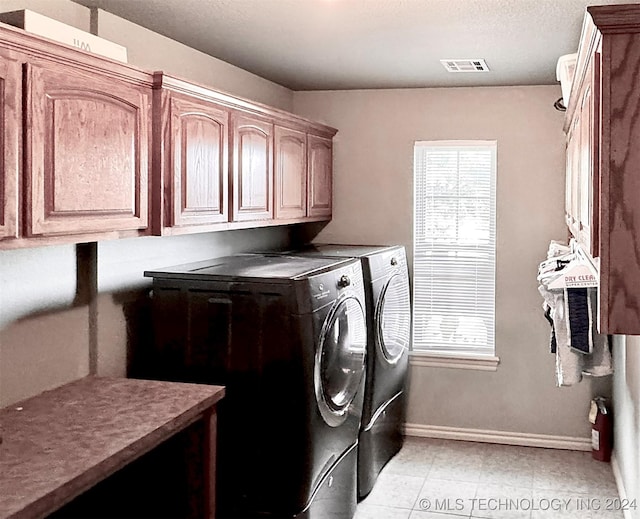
x: 24, y: 43
x: 616, y: 18
x: 162, y: 80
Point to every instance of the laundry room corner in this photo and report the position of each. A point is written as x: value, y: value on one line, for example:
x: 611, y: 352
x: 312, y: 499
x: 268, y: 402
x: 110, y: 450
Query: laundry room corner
x: 373, y: 204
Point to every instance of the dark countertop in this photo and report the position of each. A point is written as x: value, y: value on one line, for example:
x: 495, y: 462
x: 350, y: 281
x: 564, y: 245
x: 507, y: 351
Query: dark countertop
x: 58, y: 444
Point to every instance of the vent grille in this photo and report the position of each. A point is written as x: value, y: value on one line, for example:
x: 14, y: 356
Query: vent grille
x: 465, y: 65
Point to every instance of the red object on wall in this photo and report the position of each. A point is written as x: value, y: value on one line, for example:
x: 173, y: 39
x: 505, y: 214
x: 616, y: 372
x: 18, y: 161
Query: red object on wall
x: 601, y: 430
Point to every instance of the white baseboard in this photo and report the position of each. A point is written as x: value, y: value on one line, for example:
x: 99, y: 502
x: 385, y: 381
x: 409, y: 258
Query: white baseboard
x: 622, y: 492
x: 504, y: 437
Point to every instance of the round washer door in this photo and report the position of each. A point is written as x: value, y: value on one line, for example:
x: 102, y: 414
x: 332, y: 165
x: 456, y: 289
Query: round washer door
x: 340, y: 360
x: 393, y: 319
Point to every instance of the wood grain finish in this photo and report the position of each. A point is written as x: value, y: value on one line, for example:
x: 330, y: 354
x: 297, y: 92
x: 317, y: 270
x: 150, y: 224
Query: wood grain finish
x: 290, y: 173
x: 10, y: 142
x: 81, y: 173
x: 86, y: 161
x: 620, y: 184
x: 606, y: 98
x: 320, y: 176
x: 60, y: 443
x: 198, y: 193
x: 252, y: 168
x: 209, y: 454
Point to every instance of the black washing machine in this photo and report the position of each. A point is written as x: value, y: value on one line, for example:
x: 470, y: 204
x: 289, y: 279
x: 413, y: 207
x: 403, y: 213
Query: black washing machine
x: 389, y: 333
x: 287, y: 337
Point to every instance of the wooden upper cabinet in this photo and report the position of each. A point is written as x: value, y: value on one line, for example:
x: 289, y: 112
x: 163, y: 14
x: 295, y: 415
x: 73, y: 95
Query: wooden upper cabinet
x: 588, y: 162
x: 603, y: 115
x: 195, y: 166
x: 81, y: 134
x: 320, y: 177
x: 10, y: 140
x: 252, y: 168
x: 86, y: 152
x: 290, y: 173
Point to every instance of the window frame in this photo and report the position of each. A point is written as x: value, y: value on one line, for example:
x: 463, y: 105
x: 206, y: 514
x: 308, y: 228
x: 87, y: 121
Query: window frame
x: 461, y: 358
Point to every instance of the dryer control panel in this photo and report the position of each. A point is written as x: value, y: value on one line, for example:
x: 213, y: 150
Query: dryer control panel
x: 328, y: 286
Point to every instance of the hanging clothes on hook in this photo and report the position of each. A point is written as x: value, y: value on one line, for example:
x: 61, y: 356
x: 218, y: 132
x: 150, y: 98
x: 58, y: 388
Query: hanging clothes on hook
x: 569, y: 286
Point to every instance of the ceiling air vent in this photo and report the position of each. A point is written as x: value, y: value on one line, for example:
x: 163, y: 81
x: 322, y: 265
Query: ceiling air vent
x: 465, y: 65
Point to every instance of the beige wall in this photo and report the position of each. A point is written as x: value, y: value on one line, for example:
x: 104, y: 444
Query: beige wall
x: 62, y: 10
x: 626, y: 394
x: 373, y: 204
x: 152, y: 51
x: 55, y: 318
x: 43, y: 324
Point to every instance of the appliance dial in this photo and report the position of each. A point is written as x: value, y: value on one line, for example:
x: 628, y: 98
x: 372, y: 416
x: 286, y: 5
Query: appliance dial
x: 344, y: 281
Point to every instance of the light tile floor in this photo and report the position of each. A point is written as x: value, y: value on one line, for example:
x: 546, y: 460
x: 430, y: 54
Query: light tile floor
x: 444, y: 479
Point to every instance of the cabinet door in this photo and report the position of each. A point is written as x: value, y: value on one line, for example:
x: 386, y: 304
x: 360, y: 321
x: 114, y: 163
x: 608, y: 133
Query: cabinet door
x: 290, y: 173
x: 574, y: 192
x: 86, y: 154
x: 568, y: 188
x: 252, y: 169
x: 199, y: 143
x: 10, y: 106
x: 320, y: 176
x: 586, y: 168
x: 594, y: 156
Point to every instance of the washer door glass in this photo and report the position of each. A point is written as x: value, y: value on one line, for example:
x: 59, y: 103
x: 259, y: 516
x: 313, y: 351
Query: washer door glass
x: 340, y: 360
x: 393, y: 318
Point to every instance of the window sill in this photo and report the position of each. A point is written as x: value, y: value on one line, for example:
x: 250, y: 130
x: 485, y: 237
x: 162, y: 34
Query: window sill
x: 431, y: 360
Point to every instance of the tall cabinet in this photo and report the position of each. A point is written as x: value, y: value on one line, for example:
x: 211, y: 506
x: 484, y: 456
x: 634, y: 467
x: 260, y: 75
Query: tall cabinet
x: 603, y: 160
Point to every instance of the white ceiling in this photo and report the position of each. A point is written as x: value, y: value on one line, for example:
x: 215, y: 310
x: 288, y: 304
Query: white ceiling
x: 348, y: 44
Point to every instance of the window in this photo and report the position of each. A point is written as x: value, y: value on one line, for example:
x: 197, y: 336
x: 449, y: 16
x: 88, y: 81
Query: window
x: 454, y: 248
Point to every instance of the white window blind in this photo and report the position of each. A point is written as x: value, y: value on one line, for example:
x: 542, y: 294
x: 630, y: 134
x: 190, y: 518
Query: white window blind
x: 454, y: 247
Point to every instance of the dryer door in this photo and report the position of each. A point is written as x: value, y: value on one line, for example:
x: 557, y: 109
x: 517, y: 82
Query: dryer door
x: 393, y: 319
x: 340, y: 359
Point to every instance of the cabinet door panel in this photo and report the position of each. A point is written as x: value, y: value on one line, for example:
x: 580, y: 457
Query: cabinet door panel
x: 87, y: 147
x: 252, y: 169
x: 575, y: 174
x: 10, y: 105
x: 568, y: 188
x: 594, y: 139
x: 320, y: 176
x: 586, y: 169
x: 290, y: 173
x: 200, y: 176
